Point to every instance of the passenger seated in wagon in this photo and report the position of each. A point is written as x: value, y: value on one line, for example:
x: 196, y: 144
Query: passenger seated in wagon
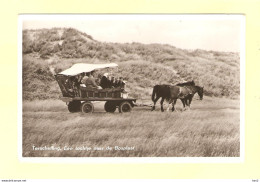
x: 113, y: 82
x: 90, y: 82
x: 108, y: 81
x: 121, y: 83
x: 104, y: 83
x: 83, y: 79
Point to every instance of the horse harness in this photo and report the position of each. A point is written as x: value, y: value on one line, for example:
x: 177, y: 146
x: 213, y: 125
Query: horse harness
x: 182, y: 93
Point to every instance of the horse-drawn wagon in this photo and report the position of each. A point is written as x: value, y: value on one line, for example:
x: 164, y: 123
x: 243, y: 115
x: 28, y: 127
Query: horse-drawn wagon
x: 80, y: 98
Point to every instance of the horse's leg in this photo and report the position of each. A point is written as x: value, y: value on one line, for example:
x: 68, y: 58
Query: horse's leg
x: 168, y: 107
x: 190, y: 101
x: 173, y: 104
x: 169, y: 103
x: 154, y: 102
x: 162, y: 104
x: 183, y: 103
x: 187, y: 102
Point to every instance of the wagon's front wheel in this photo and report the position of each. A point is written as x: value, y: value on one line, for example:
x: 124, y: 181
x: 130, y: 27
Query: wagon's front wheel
x: 110, y: 106
x: 125, y: 107
x: 87, y: 107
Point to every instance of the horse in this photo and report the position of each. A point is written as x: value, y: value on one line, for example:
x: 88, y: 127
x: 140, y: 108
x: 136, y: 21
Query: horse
x: 163, y: 91
x: 185, y: 93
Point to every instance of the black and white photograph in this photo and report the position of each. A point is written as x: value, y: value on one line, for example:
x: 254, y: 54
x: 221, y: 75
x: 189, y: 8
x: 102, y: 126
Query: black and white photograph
x: 129, y: 86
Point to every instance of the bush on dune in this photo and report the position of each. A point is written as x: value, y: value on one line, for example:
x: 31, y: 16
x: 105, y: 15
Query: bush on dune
x: 142, y: 65
x: 37, y: 81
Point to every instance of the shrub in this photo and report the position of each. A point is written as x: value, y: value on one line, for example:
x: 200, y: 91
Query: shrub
x: 36, y: 81
x: 140, y: 64
x: 27, y: 44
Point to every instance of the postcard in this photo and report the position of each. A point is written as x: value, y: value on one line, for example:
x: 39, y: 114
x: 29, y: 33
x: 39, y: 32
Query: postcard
x: 134, y: 88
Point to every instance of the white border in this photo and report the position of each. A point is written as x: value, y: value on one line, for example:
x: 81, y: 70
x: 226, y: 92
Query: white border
x: 240, y: 159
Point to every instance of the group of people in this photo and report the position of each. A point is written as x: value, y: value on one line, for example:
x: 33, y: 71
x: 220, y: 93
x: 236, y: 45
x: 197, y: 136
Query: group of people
x: 88, y: 80
x: 110, y: 82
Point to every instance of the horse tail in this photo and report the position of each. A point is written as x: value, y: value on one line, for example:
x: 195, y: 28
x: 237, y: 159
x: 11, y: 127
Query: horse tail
x: 154, y: 92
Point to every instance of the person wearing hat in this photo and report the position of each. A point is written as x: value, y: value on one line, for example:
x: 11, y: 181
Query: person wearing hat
x: 121, y: 83
x: 83, y: 80
x: 109, y: 81
x: 104, y: 83
x: 117, y: 82
x: 113, y: 82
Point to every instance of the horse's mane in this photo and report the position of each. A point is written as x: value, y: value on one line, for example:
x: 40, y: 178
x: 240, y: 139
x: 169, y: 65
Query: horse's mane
x: 190, y: 83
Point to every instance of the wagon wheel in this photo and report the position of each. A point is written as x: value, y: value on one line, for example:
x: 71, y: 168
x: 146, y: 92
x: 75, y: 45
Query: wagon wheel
x: 74, y: 106
x: 125, y: 107
x: 87, y: 107
x: 110, y: 106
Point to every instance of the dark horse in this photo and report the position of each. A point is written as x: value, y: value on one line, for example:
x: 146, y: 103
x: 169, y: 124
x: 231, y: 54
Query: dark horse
x: 163, y: 91
x: 184, y: 93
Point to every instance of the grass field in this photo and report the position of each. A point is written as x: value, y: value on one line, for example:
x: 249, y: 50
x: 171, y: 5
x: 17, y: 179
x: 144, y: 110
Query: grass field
x: 210, y: 128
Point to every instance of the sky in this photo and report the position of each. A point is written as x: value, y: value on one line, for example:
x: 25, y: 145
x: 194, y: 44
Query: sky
x: 208, y: 32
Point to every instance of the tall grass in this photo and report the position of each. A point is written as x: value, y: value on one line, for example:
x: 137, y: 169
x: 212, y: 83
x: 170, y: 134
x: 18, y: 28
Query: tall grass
x: 209, y: 129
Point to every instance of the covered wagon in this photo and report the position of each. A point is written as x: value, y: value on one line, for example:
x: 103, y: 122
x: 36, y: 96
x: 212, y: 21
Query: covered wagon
x: 80, y: 98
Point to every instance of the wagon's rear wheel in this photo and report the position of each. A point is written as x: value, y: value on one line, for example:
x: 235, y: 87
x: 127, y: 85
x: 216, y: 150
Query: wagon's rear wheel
x: 74, y: 106
x: 110, y: 106
x: 87, y: 107
x: 125, y: 107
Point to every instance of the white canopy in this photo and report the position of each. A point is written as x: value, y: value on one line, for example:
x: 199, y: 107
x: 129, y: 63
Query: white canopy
x: 83, y: 67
